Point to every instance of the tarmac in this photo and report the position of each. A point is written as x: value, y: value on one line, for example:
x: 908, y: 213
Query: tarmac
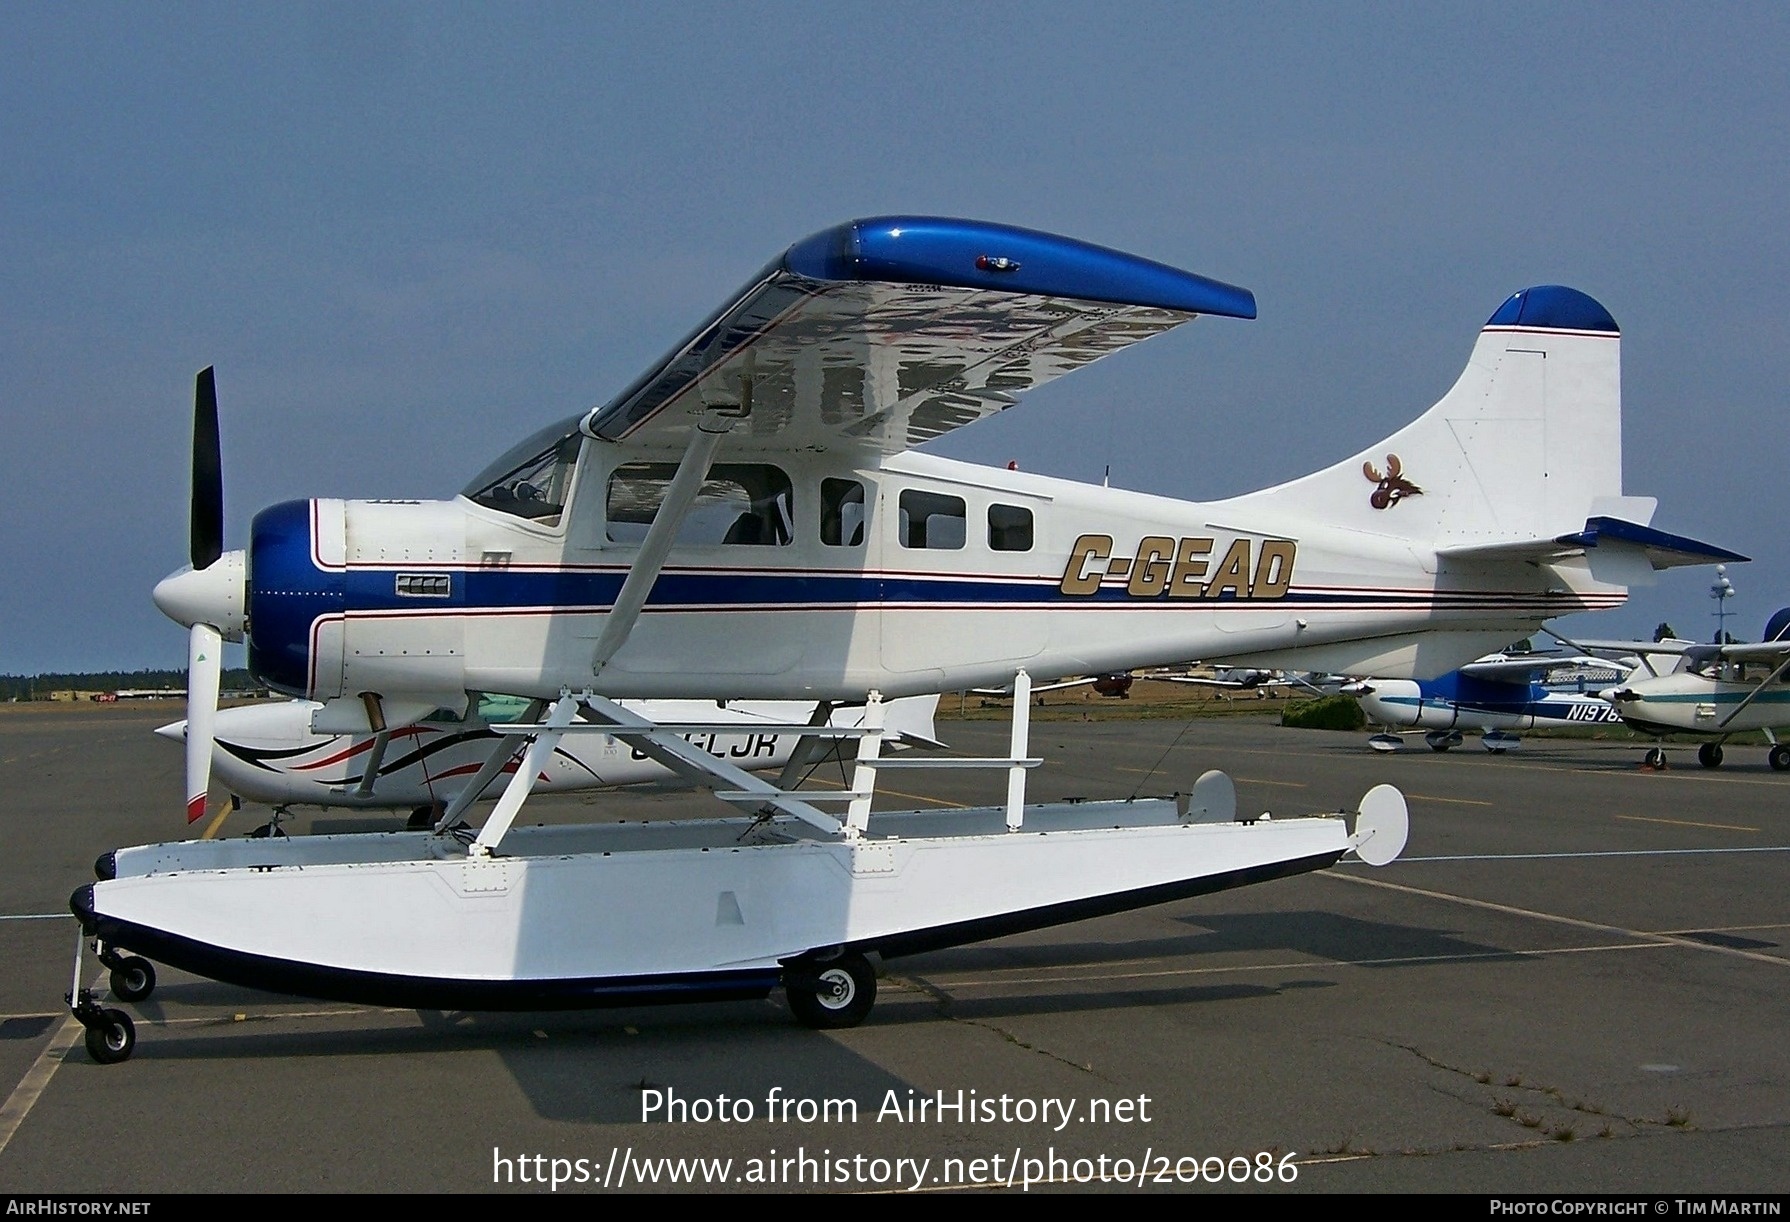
x: 1574, y: 980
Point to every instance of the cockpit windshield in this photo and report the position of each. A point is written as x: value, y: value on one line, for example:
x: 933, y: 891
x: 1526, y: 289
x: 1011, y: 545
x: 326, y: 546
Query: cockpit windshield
x: 532, y: 479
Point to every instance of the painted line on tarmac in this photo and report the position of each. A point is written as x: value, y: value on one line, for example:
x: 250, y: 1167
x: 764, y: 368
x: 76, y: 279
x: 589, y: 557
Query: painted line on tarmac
x: 38, y: 916
x: 1764, y: 848
x: 1241, y: 780
x: 31, y: 1087
x: 1702, y: 775
x: 1721, y: 827
x: 25, y: 1095
x: 922, y: 797
x: 1297, y: 965
x: 1554, y: 918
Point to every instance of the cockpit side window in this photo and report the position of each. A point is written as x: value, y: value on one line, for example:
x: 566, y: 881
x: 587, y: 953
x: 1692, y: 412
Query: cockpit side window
x: 740, y: 503
x: 533, y: 479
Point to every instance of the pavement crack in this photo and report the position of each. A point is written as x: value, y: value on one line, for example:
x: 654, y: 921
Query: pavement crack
x: 1522, y: 1097
x: 946, y: 1005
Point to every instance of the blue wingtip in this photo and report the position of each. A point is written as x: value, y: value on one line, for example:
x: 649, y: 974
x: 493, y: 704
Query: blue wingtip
x: 980, y: 254
x: 1554, y: 307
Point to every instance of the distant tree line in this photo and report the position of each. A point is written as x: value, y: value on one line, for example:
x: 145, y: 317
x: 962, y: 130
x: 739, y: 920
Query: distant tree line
x: 39, y: 687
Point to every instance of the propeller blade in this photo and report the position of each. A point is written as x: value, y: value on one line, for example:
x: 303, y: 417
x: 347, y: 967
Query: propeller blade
x: 208, y: 474
x: 204, y: 671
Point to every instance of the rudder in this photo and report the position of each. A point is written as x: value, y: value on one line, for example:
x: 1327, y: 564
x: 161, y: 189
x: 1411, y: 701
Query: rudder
x: 1524, y: 446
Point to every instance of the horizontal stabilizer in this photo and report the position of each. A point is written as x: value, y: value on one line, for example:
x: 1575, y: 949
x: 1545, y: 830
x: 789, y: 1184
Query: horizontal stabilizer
x: 1664, y: 550
x: 1618, y: 552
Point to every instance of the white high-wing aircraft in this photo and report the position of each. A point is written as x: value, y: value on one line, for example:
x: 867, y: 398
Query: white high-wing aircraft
x: 1500, y: 695
x: 751, y: 520
x: 1255, y: 679
x: 1714, y: 692
x: 1116, y: 685
x: 269, y: 753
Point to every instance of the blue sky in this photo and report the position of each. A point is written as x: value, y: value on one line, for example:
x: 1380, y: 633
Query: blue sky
x: 407, y: 235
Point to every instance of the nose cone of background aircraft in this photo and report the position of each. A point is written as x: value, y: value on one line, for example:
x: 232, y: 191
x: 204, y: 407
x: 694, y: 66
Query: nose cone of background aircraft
x: 213, y: 595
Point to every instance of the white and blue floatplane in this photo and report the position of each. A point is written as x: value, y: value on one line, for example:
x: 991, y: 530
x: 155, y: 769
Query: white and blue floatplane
x: 750, y: 521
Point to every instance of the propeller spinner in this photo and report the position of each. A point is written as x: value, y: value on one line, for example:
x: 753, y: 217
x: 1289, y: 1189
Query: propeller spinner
x: 207, y: 596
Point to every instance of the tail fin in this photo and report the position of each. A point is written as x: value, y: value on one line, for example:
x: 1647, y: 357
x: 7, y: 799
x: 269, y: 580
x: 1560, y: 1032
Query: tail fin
x: 1527, y: 445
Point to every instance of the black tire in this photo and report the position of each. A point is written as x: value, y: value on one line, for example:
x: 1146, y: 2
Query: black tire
x: 828, y: 994
x: 114, y: 1039
x: 1438, y: 741
x: 1655, y: 757
x: 1779, y: 758
x: 133, y: 979
x: 1710, y: 755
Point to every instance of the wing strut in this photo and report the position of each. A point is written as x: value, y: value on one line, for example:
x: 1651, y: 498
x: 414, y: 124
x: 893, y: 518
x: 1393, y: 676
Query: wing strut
x: 692, y: 469
x: 666, y: 742
x: 539, y: 752
x: 687, y: 759
x: 809, y: 749
x: 501, y: 754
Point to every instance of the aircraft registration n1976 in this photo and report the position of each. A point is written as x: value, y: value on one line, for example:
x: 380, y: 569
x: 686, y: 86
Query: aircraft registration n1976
x: 1501, y: 695
x: 751, y: 520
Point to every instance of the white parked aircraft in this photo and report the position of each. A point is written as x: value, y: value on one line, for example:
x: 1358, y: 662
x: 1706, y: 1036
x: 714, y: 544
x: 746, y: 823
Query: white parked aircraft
x: 269, y: 753
x: 751, y: 520
x: 1715, y: 691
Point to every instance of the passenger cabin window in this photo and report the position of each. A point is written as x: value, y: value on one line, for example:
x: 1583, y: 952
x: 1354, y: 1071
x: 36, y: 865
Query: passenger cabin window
x: 931, y: 520
x: 532, y: 479
x: 1009, y: 528
x: 740, y: 503
x: 841, y: 513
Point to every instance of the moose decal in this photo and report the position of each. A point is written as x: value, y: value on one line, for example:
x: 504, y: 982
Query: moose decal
x: 1393, y: 487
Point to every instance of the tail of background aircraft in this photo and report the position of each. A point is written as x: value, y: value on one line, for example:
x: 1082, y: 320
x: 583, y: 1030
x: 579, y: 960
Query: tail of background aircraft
x: 1526, y: 446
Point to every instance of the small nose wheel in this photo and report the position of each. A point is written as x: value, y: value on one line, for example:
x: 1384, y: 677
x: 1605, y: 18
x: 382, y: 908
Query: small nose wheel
x: 114, y: 1039
x: 828, y: 994
x: 133, y: 977
x: 111, y: 1036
